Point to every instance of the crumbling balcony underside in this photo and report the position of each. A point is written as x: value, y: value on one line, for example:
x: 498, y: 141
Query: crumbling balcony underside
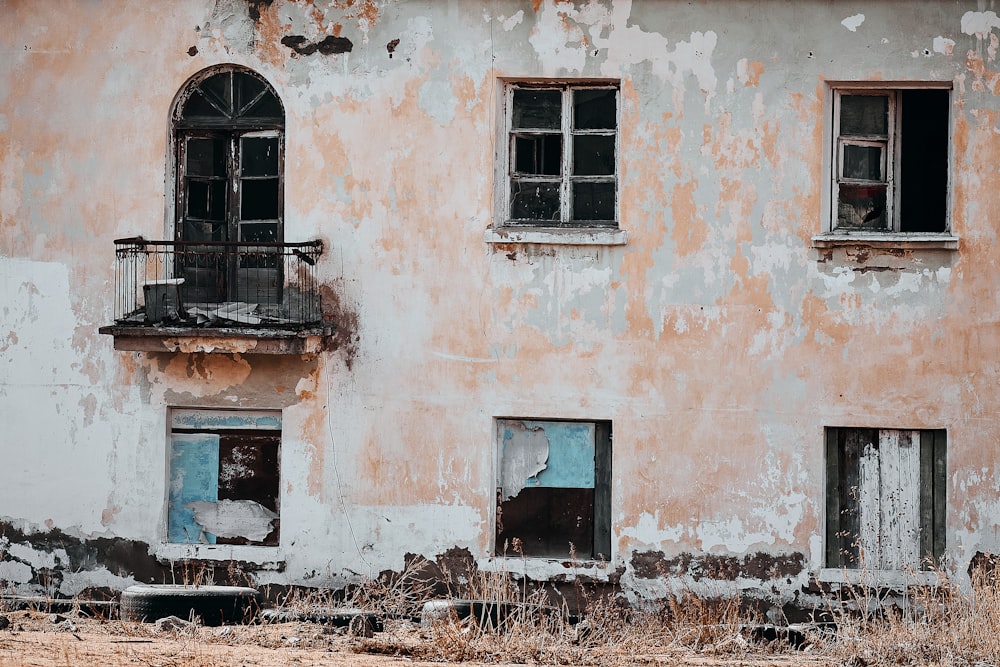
x: 230, y: 340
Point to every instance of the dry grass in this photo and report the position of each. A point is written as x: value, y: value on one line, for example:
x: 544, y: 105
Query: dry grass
x: 943, y: 625
x: 931, y: 625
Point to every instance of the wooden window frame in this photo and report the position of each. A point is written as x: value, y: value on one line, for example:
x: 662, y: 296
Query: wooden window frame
x: 892, y: 159
x: 566, y: 177
x: 230, y: 125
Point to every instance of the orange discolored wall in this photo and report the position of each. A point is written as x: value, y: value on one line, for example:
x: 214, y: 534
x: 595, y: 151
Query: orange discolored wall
x: 721, y: 331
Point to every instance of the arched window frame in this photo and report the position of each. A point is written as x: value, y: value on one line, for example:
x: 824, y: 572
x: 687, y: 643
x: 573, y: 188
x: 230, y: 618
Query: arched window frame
x: 231, y: 127
x: 227, y: 130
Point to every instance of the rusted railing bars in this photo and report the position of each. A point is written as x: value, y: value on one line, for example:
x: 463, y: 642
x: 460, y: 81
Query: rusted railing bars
x: 186, y: 283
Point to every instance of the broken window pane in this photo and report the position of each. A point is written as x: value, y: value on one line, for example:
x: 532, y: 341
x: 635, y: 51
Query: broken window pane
x: 538, y: 154
x: 923, y: 171
x: 224, y: 477
x: 206, y: 156
x: 259, y: 199
x: 198, y: 231
x: 259, y: 156
x: 593, y: 155
x: 532, y: 200
x: 553, y: 492
x: 863, y: 162
x: 248, y: 475
x: 595, y: 109
x: 206, y: 200
x: 862, y: 207
x: 593, y: 201
x: 864, y: 115
x: 537, y: 109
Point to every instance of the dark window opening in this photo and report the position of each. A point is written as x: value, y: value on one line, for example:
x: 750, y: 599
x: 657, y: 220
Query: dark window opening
x: 224, y: 477
x: 886, y: 498
x: 554, y: 496
x: 924, y: 161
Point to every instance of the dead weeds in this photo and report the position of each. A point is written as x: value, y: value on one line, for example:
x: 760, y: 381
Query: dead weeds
x: 513, y: 622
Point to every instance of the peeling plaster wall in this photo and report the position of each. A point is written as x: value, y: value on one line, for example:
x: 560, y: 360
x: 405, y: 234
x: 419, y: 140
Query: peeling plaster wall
x: 718, y: 341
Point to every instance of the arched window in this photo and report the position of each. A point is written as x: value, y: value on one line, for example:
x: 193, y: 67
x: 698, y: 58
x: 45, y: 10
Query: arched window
x: 228, y: 126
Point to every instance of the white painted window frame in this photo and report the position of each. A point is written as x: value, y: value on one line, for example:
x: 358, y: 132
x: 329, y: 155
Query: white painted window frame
x: 831, y: 236
x: 889, y: 161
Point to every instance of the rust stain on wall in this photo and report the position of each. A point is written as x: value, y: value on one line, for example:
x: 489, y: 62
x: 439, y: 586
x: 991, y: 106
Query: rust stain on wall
x: 346, y: 323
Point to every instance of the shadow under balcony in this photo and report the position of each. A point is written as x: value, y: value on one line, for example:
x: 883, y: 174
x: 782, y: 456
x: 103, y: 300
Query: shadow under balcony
x: 247, y: 298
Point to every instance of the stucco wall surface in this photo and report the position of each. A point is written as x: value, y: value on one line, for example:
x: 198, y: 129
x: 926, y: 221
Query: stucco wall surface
x: 719, y: 340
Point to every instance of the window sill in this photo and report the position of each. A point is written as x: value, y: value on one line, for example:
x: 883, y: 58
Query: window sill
x: 907, y: 241
x: 895, y: 579
x: 557, y: 235
x: 268, y: 558
x: 548, y: 569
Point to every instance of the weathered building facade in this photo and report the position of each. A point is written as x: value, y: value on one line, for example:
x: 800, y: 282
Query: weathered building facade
x: 657, y: 293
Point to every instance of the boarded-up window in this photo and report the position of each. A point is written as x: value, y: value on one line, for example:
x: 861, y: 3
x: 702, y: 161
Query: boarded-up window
x: 554, y: 492
x: 885, y: 498
x: 224, y: 477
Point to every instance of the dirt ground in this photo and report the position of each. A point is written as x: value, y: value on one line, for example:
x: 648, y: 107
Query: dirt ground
x: 46, y: 640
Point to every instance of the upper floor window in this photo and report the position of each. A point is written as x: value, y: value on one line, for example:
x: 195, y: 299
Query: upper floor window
x: 890, y: 160
x: 561, y: 167
x: 228, y: 129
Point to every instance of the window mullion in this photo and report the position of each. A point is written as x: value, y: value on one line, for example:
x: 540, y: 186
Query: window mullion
x: 892, y: 162
x: 565, y: 189
x: 233, y: 171
x: 181, y: 200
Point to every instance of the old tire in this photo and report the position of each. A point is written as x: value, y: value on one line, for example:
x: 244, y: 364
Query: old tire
x: 214, y: 605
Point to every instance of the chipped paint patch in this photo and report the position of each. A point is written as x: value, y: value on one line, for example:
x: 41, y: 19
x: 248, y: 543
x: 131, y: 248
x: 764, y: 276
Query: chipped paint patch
x: 852, y: 23
x: 525, y: 452
x: 206, y: 344
x: 944, y: 46
x: 979, y: 24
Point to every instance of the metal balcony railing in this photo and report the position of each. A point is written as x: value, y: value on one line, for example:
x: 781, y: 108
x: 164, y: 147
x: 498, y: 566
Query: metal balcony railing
x: 216, y: 284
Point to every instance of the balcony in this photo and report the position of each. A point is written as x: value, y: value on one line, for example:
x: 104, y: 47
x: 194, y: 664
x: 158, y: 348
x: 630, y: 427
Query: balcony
x: 247, y: 298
